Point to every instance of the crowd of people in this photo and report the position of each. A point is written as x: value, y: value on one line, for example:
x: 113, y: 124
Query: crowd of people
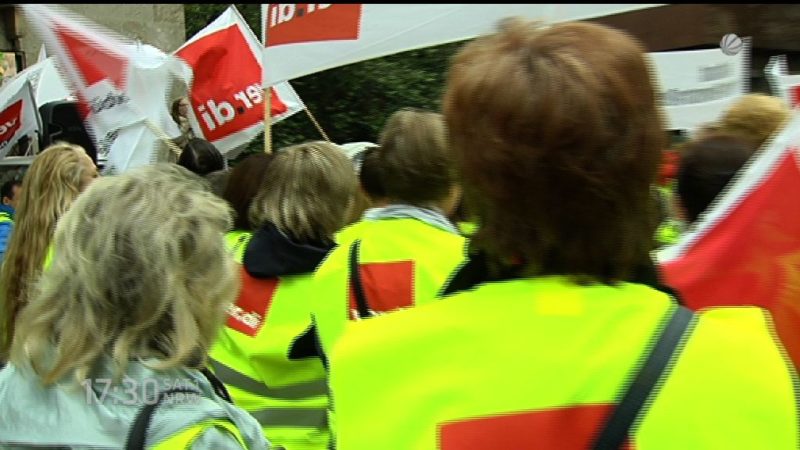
x: 479, y: 278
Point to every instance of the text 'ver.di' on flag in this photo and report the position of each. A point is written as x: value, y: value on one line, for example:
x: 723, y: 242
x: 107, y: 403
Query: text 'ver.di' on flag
x: 226, y: 93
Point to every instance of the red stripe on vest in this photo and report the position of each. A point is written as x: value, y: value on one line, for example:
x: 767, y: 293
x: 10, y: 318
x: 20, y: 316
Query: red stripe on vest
x: 568, y: 428
x: 249, y: 312
x: 388, y: 286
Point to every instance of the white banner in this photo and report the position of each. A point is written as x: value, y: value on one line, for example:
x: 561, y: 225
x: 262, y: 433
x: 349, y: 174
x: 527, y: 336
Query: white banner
x: 46, y: 82
x: 697, y: 86
x: 120, y: 84
x: 226, y: 93
x: 18, y: 114
x: 306, y: 38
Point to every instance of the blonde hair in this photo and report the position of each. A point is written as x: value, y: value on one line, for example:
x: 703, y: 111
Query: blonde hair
x: 755, y: 117
x: 53, y: 181
x: 307, y: 192
x: 142, y: 272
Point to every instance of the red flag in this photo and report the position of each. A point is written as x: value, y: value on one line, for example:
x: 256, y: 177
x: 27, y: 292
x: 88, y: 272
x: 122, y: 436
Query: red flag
x: 226, y: 93
x: 746, y: 249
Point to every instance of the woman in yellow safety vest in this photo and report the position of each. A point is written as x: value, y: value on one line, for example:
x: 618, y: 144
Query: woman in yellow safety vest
x: 548, y: 340
x: 300, y: 206
x: 106, y: 353
x: 243, y: 184
x: 404, y: 251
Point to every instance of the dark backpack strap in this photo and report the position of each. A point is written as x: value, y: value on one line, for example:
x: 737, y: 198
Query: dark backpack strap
x: 138, y: 432
x: 355, y: 280
x: 219, y: 387
x: 618, y: 426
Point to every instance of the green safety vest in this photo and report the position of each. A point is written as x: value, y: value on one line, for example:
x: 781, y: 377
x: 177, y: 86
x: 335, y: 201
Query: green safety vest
x: 185, y: 438
x: 5, y: 217
x: 540, y: 363
x: 467, y: 228
x: 289, y: 398
x: 236, y: 242
x: 669, y: 230
x: 403, y: 262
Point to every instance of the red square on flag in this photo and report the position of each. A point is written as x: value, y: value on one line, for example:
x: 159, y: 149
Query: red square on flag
x: 226, y: 94
x: 307, y: 22
x: 10, y: 121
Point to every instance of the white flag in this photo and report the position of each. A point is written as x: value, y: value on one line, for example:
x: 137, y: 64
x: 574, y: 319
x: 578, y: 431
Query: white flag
x: 306, y: 38
x: 18, y: 114
x: 46, y: 82
x: 122, y: 86
x: 42, y: 54
x: 781, y: 83
x: 226, y: 94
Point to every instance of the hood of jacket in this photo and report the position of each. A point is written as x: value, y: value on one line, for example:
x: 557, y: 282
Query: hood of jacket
x: 271, y: 253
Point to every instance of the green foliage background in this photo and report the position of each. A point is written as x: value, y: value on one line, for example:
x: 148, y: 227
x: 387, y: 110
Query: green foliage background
x: 350, y: 102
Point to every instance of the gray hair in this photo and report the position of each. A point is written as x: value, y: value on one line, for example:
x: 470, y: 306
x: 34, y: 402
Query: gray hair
x: 140, y: 271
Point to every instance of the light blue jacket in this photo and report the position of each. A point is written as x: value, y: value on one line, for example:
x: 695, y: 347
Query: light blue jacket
x: 90, y: 416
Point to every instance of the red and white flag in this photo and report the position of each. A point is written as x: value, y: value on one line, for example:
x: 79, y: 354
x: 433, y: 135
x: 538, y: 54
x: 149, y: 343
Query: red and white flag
x: 18, y: 113
x: 122, y: 86
x: 226, y: 94
x: 305, y: 38
x: 745, y: 250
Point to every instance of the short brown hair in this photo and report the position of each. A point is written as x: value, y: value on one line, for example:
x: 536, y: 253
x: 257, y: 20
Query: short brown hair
x: 558, y: 139
x: 413, y: 158
x: 244, y: 182
x: 707, y: 165
x: 307, y: 192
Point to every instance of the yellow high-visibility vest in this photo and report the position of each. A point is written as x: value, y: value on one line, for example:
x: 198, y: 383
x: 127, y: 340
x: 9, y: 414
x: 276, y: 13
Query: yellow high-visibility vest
x: 236, y: 242
x: 289, y: 398
x: 185, y: 438
x: 540, y: 363
x: 402, y: 262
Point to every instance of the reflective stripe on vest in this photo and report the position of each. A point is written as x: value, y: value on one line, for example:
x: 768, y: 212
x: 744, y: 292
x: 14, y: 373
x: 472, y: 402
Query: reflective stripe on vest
x: 185, y: 438
x: 540, y: 363
x: 402, y: 262
x: 241, y: 381
x: 289, y: 398
x: 236, y: 242
x: 5, y: 217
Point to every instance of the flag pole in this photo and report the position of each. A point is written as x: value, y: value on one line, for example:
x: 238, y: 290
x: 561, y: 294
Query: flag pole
x: 163, y: 136
x: 316, y: 124
x: 268, y: 120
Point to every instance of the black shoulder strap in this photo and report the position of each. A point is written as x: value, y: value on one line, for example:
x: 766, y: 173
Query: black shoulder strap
x: 219, y: 387
x: 138, y: 432
x: 355, y: 280
x: 618, y: 426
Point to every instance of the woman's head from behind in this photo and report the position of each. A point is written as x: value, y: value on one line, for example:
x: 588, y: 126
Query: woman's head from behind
x: 50, y: 186
x: 201, y: 157
x: 141, y: 272
x: 307, y: 192
x: 558, y: 139
x: 414, y: 160
x: 708, y: 164
x: 244, y: 183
